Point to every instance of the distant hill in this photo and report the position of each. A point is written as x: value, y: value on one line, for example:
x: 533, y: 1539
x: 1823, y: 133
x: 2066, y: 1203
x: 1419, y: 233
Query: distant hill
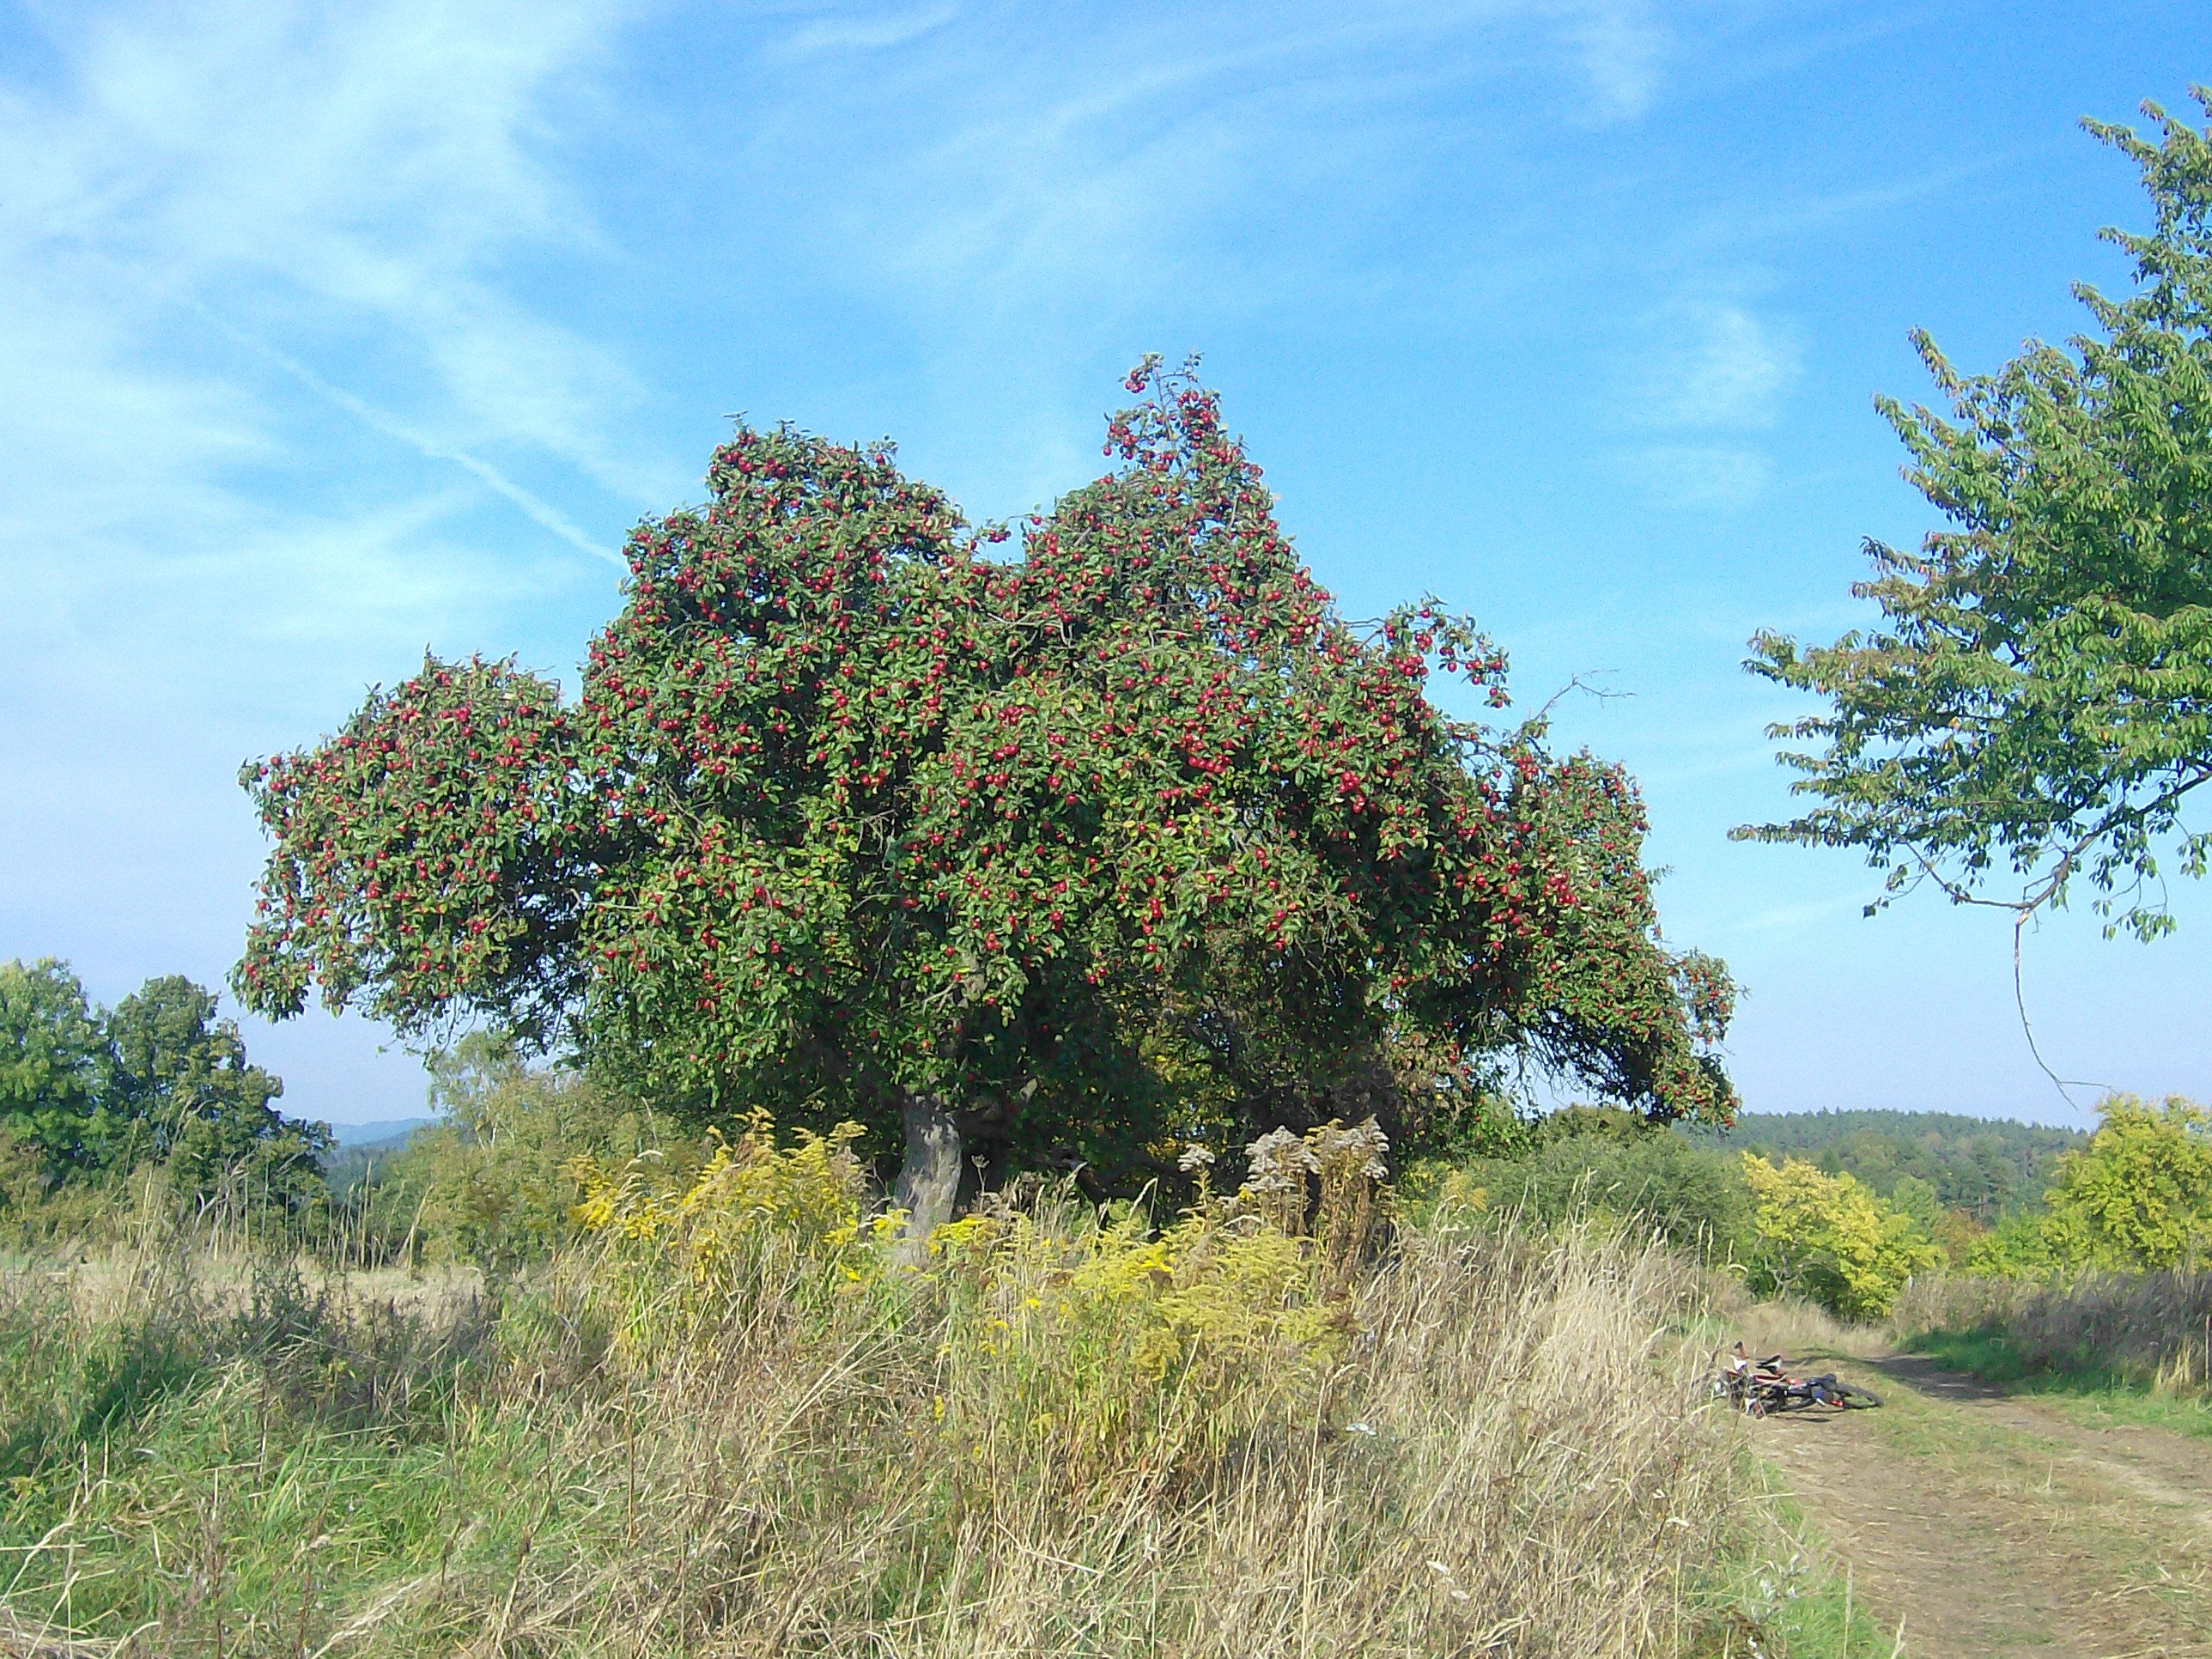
x: 362, y: 1146
x: 392, y: 1132
x: 1984, y: 1166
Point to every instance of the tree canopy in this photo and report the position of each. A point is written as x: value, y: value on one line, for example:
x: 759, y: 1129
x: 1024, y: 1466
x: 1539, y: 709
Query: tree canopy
x: 2039, y: 696
x: 2139, y: 1196
x: 188, y: 1099
x: 159, y: 1080
x: 1130, y: 836
x: 52, y: 1056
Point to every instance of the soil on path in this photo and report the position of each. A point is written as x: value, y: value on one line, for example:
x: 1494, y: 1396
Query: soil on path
x: 1989, y: 1525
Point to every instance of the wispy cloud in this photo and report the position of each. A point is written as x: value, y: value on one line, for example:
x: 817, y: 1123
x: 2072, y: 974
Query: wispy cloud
x: 1623, y: 46
x: 1695, y: 477
x: 1038, y: 183
x: 321, y: 178
x: 1803, y: 916
x: 1709, y: 377
x: 1715, y: 365
x: 192, y: 196
x: 430, y: 447
x: 212, y: 536
x: 869, y: 30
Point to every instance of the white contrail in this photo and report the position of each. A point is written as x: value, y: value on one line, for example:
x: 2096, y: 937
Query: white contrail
x: 424, y: 444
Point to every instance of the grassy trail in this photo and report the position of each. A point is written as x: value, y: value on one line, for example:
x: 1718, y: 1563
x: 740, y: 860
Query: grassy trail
x: 1984, y: 1524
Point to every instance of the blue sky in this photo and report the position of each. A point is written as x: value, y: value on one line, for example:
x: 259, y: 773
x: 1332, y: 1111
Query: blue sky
x: 328, y: 333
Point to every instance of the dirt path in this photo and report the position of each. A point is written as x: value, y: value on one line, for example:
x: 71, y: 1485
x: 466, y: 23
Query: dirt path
x: 1993, y: 1525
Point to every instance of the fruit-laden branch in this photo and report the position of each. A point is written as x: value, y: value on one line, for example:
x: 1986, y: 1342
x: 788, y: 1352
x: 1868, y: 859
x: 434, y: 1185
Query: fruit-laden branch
x: 1064, y: 854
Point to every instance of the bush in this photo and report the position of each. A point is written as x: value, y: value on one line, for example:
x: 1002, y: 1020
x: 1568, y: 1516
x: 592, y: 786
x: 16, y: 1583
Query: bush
x: 1795, y: 1231
x: 1827, y: 1237
x: 495, y: 1184
x: 1585, y: 1165
x: 35, y: 1213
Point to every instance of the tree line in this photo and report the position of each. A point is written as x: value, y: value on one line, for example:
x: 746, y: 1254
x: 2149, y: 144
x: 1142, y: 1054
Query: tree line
x: 158, y: 1083
x: 1982, y: 1167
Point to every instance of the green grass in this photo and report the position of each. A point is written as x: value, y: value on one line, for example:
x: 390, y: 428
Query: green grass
x: 241, y: 1461
x: 2096, y: 1396
x: 228, y: 1485
x: 1786, y: 1599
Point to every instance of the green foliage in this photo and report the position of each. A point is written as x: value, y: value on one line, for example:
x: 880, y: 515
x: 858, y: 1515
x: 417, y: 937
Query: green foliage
x: 158, y: 1083
x: 494, y: 1182
x: 1845, y: 1226
x: 190, y: 1103
x: 428, y: 857
x: 1578, y: 1164
x: 36, y: 1210
x: 1917, y: 1198
x: 2139, y: 1196
x: 352, y: 1163
x: 1984, y: 1167
x: 53, y: 1063
x: 1131, y: 838
x: 2021, y: 1245
x: 1830, y: 1239
x: 2037, y: 694
x: 2136, y: 1197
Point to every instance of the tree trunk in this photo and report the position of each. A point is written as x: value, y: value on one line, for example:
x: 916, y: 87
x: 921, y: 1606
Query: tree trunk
x: 929, y: 1179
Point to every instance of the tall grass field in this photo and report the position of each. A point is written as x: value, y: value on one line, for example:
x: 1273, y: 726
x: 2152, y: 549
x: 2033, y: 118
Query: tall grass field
x: 743, y: 1417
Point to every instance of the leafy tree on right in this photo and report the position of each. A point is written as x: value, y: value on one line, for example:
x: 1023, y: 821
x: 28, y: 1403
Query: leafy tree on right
x: 2039, y: 698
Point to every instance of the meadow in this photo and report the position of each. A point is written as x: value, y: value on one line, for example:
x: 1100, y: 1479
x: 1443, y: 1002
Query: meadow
x: 562, y: 1375
x: 732, y: 1416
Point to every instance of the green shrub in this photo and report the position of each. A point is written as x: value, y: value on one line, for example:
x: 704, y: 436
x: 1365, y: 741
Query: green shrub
x: 1585, y: 1163
x: 2138, y: 1197
x: 494, y: 1184
x: 1829, y: 1238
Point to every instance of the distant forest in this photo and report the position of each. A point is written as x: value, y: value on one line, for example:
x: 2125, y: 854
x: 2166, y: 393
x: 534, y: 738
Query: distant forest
x: 1985, y: 1166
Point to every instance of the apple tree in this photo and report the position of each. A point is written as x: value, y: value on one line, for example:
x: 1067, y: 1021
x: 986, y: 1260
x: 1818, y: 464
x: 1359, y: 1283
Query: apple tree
x: 1052, y: 859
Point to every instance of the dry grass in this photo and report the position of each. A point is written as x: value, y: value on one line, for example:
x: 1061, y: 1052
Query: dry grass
x: 2153, y: 1328
x: 1506, y: 1466
x: 1791, y: 1326
x: 1506, y: 1452
x: 101, y: 1289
